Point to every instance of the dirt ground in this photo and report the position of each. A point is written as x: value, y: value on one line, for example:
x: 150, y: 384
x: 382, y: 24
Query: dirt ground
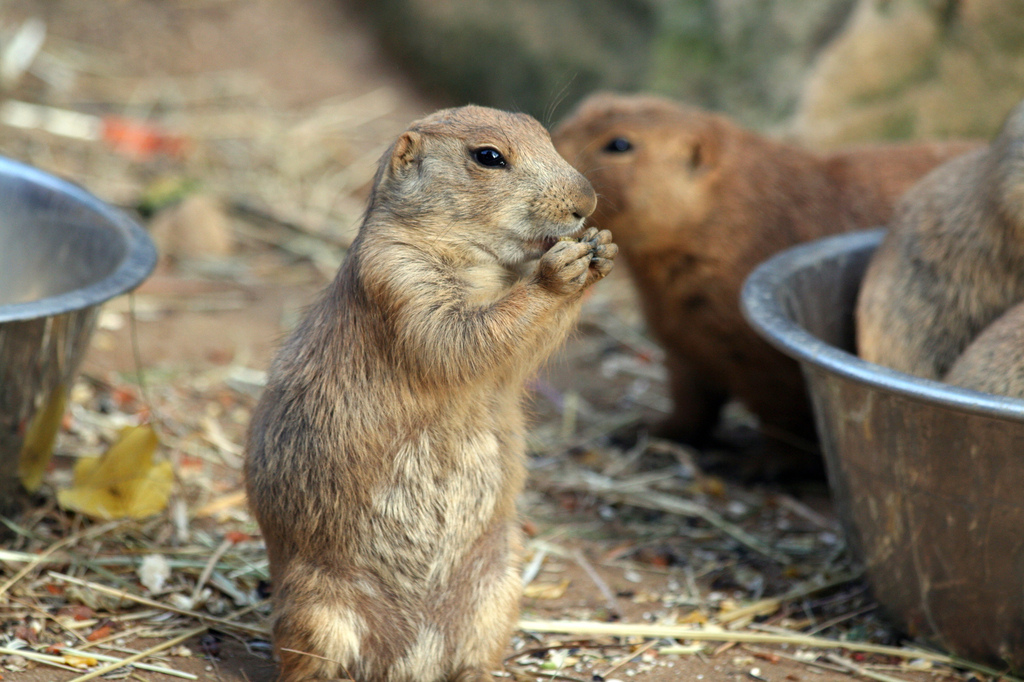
x: 285, y: 107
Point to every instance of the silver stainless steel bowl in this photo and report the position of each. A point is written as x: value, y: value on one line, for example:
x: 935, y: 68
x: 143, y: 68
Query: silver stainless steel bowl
x: 927, y: 478
x: 63, y: 252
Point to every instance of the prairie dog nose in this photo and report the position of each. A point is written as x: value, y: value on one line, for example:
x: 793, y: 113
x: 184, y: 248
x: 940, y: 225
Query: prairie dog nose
x: 582, y: 198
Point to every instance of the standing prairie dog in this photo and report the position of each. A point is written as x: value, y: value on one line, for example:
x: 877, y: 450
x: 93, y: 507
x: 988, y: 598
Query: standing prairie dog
x: 386, y: 454
x: 695, y: 203
x: 952, y: 261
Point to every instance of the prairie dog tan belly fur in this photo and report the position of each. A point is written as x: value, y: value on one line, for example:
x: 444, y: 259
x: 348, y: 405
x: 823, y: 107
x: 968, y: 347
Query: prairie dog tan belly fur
x: 386, y: 454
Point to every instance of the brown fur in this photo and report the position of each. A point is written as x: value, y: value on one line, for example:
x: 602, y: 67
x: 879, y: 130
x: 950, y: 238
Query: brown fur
x: 952, y: 261
x: 994, y: 362
x: 385, y: 457
x: 695, y: 204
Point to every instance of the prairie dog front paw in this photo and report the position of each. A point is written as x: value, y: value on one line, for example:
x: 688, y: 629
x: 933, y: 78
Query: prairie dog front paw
x: 602, y: 253
x: 564, y: 268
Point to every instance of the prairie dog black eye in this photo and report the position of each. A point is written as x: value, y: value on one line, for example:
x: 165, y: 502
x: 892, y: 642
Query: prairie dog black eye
x: 490, y: 157
x: 618, y: 145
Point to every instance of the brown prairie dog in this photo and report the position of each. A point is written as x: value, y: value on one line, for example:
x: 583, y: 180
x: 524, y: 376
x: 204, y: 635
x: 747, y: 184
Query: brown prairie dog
x: 994, y: 362
x: 385, y: 457
x: 695, y: 202
x: 952, y: 261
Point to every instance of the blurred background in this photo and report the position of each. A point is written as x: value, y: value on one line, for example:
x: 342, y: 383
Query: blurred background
x: 831, y: 71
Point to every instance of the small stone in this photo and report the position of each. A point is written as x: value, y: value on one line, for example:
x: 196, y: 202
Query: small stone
x: 154, y: 572
x: 15, y: 662
x: 196, y: 227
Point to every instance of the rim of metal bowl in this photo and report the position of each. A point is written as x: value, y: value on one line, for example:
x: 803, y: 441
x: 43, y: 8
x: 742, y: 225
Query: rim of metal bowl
x: 762, y: 306
x: 139, y: 260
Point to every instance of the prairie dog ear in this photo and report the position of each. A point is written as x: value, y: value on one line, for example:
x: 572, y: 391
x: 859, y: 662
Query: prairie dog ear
x: 406, y: 151
x: 699, y: 152
x: 698, y: 155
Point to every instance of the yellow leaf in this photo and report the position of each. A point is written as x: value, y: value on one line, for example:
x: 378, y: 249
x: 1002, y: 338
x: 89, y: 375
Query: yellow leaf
x: 39, y: 439
x: 546, y: 590
x: 694, y: 616
x: 222, y: 504
x: 79, y: 661
x: 123, y: 482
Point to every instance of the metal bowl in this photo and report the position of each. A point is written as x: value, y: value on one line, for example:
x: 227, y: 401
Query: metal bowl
x: 62, y: 253
x: 926, y: 477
